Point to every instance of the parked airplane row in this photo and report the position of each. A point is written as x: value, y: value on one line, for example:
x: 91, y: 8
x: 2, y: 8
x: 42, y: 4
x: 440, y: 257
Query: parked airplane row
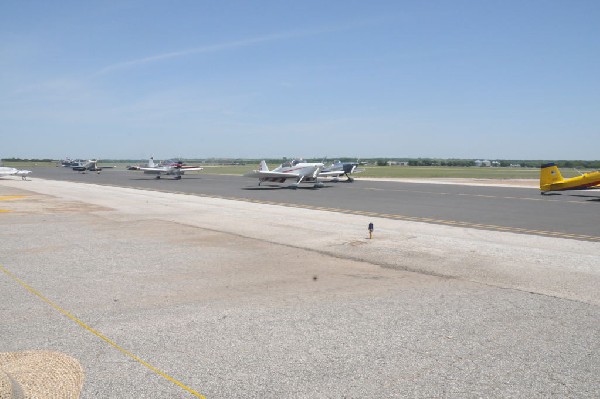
x: 309, y: 172
x: 300, y: 171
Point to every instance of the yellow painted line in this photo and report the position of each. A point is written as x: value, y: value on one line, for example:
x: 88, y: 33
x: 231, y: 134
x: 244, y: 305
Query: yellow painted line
x: 11, y: 197
x: 98, y: 334
x: 4, y: 210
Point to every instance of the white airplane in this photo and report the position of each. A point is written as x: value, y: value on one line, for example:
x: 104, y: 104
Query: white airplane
x: 91, y: 165
x: 338, y: 168
x: 7, y: 171
x: 296, y: 169
x: 176, y: 169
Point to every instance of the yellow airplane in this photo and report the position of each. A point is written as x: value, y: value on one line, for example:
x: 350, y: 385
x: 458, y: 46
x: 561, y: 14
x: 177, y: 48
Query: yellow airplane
x: 552, y: 180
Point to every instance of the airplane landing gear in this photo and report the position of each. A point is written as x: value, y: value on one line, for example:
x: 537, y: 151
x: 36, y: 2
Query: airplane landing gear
x: 295, y: 185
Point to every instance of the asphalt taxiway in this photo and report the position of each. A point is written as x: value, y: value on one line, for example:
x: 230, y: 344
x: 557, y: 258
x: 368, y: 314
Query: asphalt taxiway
x: 573, y: 215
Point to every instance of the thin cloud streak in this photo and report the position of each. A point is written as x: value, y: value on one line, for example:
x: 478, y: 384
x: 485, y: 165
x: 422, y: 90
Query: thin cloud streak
x: 182, y: 53
x: 226, y: 46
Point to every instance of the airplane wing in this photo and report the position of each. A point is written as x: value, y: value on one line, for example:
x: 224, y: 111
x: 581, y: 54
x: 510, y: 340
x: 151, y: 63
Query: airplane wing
x: 263, y: 174
x: 154, y: 170
x: 338, y: 173
x: 168, y: 170
x: 6, y: 171
x: 334, y: 173
x: 190, y: 169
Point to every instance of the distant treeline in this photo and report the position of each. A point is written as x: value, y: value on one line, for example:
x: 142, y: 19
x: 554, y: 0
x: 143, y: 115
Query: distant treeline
x: 419, y: 162
x: 367, y: 161
x: 27, y: 160
x: 503, y: 163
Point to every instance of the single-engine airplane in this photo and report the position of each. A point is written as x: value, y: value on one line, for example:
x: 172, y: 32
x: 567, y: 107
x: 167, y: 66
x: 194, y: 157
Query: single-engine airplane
x: 176, y: 169
x: 551, y: 180
x: 297, y: 169
x: 91, y: 166
x: 68, y: 162
x: 8, y: 171
x: 338, y: 168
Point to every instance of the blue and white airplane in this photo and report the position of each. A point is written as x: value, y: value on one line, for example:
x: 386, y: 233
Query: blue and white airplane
x: 338, y: 169
x: 90, y: 165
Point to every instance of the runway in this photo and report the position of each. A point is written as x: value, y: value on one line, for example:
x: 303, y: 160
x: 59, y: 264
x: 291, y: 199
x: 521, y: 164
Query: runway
x: 573, y: 215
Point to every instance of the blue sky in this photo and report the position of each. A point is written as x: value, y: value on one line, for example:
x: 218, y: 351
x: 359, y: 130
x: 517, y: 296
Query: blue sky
x: 251, y: 79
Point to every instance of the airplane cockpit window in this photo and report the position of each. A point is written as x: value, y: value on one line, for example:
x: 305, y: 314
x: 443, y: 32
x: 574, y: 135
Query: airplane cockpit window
x: 294, y: 162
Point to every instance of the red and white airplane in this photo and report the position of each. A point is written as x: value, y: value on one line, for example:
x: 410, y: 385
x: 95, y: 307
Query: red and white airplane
x: 169, y: 168
x: 298, y: 169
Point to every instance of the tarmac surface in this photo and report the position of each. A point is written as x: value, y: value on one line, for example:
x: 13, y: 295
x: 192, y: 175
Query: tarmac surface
x: 515, y: 206
x: 233, y: 298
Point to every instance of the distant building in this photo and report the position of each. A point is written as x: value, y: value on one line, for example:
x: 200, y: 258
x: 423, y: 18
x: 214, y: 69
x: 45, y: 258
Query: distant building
x: 397, y: 163
x: 484, y: 163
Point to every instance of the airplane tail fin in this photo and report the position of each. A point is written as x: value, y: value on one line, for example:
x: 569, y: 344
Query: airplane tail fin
x: 263, y: 166
x: 349, y: 167
x: 550, y: 174
x: 151, y: 162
